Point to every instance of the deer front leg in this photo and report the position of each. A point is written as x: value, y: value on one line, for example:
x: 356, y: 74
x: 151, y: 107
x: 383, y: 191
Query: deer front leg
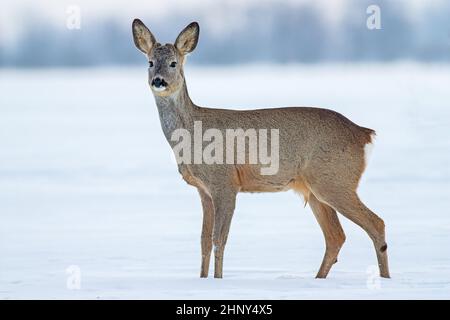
x: 224, y: 200
x: 207, y: 228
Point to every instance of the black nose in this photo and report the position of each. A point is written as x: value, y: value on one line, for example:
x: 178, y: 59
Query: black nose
x: 158, y: 82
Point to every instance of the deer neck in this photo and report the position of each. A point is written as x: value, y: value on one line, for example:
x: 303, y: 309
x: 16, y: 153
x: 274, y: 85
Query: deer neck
x: 176, y: 111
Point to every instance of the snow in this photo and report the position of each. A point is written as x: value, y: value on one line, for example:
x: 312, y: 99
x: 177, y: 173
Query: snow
x: 88, y: 183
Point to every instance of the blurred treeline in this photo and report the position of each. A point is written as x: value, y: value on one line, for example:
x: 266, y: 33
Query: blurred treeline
x: 277, y: 33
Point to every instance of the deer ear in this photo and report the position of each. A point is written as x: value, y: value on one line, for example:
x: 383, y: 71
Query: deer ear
x: 143, y: 38
x: 188, y: 38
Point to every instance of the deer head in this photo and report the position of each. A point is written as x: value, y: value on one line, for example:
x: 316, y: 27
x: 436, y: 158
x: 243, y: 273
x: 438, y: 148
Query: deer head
x: 165, y: 69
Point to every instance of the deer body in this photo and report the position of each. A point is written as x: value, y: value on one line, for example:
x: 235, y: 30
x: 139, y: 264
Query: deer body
x: 321, y: 156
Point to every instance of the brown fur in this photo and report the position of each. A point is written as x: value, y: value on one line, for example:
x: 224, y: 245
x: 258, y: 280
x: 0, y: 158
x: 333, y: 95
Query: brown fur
x: 321, y: 157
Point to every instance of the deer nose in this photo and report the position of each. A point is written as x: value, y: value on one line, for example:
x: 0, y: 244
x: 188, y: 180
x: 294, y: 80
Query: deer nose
x: 158, y: 82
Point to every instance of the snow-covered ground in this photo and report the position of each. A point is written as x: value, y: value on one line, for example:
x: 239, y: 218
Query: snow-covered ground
x: 87, y: 180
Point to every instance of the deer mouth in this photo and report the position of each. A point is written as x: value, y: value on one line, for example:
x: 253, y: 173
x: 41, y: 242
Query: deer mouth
x: 159, y: 89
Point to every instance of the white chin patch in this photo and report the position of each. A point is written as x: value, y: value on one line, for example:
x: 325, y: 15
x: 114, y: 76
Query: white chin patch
x: 159, y: 89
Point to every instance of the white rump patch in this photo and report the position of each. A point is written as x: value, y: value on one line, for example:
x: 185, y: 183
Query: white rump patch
x: 368, y: 148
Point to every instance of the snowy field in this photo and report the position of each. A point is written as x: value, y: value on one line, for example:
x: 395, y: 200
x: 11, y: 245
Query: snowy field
x: 87, y: 180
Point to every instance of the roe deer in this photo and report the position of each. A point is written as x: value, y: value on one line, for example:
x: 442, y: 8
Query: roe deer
x: 321, y: 156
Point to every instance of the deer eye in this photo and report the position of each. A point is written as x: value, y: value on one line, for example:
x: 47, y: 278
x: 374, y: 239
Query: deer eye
x: 150, y: 64
x: 173, y: 64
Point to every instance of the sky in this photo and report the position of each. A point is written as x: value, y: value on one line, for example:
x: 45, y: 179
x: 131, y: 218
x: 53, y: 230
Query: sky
x: 217, y: 14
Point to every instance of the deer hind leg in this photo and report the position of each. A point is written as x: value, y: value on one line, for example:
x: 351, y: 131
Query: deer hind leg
x: 207, y: 228
x: 349, y: 205
x: 332, y: 231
